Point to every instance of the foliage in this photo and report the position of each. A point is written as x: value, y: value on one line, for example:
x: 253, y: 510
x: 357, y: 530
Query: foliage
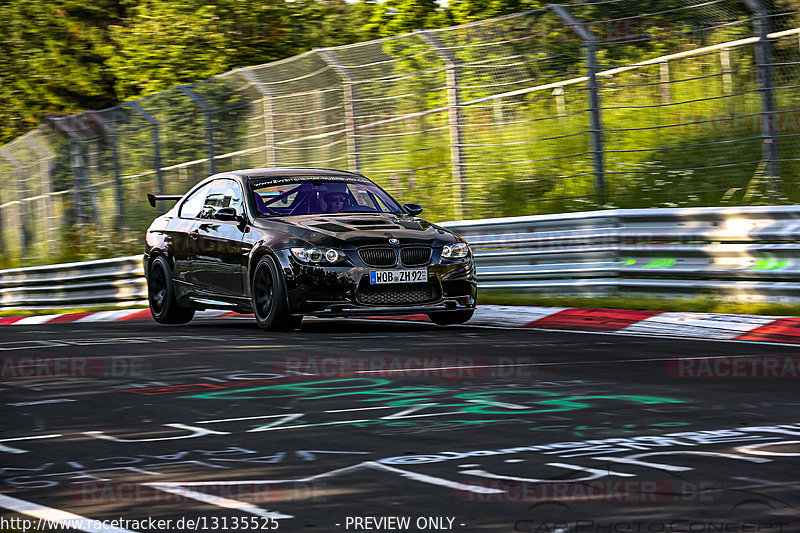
x: 51, y: 61
x: 525, y: 154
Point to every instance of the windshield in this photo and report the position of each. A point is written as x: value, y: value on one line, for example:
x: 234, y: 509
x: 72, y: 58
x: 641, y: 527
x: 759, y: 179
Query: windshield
x: 309, y: 196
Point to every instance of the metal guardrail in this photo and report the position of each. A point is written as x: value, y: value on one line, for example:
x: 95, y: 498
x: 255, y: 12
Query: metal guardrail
x: 91, y: 283
x: 746, y: 253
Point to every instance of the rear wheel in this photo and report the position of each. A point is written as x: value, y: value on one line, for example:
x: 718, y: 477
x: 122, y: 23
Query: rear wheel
x: 447, y: 318
x: 161, y: 295
x: 269, y: 298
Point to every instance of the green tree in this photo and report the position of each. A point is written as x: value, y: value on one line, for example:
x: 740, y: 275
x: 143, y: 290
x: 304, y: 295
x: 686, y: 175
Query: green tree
x: 324, y: 23
x: 394, y: 17
x: 52, y: 59
x: 463, y: 11
x: 164, y: 44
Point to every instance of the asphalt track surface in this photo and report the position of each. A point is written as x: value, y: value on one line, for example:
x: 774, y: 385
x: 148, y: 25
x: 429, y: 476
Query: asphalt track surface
x: 336, y: 428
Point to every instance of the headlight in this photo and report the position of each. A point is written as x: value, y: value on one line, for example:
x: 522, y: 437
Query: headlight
x: 317, y: 255
x: 455, y: 251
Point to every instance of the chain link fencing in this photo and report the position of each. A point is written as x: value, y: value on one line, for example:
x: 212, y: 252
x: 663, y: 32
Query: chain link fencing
x: 585, y: 105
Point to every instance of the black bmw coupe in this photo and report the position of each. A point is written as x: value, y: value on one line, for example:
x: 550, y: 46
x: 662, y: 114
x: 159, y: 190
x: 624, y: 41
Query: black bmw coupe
x: 284, y: 243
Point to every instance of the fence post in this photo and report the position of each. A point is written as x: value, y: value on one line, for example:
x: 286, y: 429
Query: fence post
x: 590, y: 47
x: 119, y: 197
x: 772, y: 169
x: 46, y: 168
x: 77, y: 166
x: 561, y: 101
x: 21, y: 195
x: 727, y: 77
x: 267, y: 108
x: 208, y: 113
x: 3, y: 222
x: 666, y: 95
x: 455, y: 121
x: 353, y: 161
x: 155, y: 135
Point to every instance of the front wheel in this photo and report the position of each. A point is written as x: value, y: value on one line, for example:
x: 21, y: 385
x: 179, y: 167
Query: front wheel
x: 161, y: 295
x: 447, y: 318
x: 269, y: 298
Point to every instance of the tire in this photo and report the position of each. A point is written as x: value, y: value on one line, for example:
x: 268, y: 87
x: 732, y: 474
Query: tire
x: 447, y: 318
x: 268, y: 292
x: 161, y: 295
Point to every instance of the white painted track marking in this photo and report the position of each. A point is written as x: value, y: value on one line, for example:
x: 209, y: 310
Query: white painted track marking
x: 704, y: 325
x: 32, y: 320
x: 107, y: 316
x: 504, y: 315
x: 43, y: 513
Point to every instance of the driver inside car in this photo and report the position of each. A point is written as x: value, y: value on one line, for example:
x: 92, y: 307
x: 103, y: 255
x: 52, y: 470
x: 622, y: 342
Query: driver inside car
x: 336, y: 198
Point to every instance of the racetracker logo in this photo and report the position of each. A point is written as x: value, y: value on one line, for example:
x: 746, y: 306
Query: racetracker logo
x: 70, y: 367
x: 98, y: 493
x: 612, y: 490
x: 764, y: 367
x: 381, y: 366
x: 634, y: 526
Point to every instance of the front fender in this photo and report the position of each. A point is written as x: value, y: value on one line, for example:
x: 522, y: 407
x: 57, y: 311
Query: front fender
x: 258, y: 251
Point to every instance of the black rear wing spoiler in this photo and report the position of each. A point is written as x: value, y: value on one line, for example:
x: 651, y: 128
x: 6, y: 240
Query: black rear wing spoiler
x: 153, y: 198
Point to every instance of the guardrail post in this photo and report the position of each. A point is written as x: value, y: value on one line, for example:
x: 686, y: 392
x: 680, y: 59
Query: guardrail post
x: 156, y: 136
x: 111, y: 137
x: 349, y: 106
x: 267, y: 108
x: 23, y: 228
x: 454, y: 120
x: 208, y: 113
x: 772, y: 170
x: 590, y: 48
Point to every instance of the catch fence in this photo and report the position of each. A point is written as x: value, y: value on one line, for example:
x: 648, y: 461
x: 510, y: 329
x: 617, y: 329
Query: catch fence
x: 566, y: 108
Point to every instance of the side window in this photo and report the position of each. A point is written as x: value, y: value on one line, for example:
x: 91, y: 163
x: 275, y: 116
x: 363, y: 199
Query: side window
x: 224, y: 193
x: 192, y: 206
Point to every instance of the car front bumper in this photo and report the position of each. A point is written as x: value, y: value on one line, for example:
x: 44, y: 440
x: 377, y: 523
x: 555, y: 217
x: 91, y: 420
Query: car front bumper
x: 345, y: 290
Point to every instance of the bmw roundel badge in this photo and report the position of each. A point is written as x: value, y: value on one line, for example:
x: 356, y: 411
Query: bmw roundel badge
x: 393, y: 241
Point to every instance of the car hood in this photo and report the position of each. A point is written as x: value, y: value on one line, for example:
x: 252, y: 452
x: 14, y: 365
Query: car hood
x: 358, y: 229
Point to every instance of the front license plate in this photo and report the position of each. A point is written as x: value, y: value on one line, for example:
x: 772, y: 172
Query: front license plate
x: 377, y: 277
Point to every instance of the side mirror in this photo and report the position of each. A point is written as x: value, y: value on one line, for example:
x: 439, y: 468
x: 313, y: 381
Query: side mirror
x: 413, y: 209
x: 227, y: 214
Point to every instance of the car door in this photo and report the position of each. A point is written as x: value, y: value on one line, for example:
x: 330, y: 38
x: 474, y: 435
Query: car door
x: 220, y: 261
x: 182, y: 242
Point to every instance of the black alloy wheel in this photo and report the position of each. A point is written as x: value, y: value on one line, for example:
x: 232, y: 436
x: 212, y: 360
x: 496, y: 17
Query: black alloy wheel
x: 161, y: 295
x: 269, y: 298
